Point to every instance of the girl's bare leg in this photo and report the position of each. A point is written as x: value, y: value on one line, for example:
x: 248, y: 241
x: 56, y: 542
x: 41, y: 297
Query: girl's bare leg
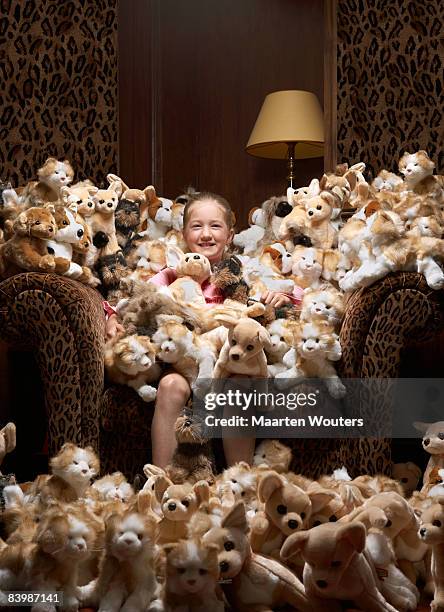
x: 172, y: 395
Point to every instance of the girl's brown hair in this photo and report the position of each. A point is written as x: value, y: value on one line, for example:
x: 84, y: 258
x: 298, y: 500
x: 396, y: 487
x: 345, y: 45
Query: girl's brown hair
x: 230, y: 217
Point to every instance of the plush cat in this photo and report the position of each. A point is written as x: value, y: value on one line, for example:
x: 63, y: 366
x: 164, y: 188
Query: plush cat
x: 52, y: 176
x: 323, y: 304
x: 417, y: 169
x: 131, y: 361
x: 387, y: 181
x: 307, y: 265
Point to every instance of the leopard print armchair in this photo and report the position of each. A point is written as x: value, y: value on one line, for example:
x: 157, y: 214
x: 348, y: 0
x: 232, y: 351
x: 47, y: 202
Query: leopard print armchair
x: 62, y: 322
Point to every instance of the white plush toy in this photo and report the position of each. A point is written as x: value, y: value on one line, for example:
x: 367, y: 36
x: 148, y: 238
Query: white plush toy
x: 250, y: 239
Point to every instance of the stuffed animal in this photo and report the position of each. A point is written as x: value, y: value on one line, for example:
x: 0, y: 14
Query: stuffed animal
x: 155, y: 215
x: 307, y: 266
x: 191, y: 581
x: 80, y: 195
x: 408, y: 475
x: 192, y: 269
x: 417, y: 169
x: 318, y: 226
x: 323, y: 304
x: 387, y: 181
x: 7, y: 440
x: 281, y: 337
x: 431, y: 532
x: 433, y: 443
x: 336, y: 567
x: 178, y: 503
x: 52, y: 176
x: 273, y: 454
x: 287, y: 509
x: 227, y: 276
x: 190, y: 461
x: 238, y: 483
x: 275, y: 209
x: 131, y: 361
x: 26, y: 250
x: 253, y: 581
x: 276, y: 257
x: 111, y: 269
x: 145, y: 257
x: 126, y: 221
x: 243, y: 351
x: 127, y: 578
x: 251, y: 239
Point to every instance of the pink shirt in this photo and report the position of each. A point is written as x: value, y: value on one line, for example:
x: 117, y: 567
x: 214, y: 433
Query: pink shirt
x: 212, y: 294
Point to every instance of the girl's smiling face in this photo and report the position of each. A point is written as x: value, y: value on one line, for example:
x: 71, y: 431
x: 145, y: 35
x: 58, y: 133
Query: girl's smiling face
x: 207, y: 231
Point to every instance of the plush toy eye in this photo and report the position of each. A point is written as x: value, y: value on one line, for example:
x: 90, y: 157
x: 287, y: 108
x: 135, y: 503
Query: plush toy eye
x: 181, y: 570
x: 318, y: 207
x: 335, y: 564
x: 186, y: 503
x: 101, y: 201
x: 264, y: 456
x: 333, y: 519
x: 152, y: 487
x: 202, y: 571
x: 279, y: 256
x: 37, y: 223
x: 140, y: 536
x: 303, y: 515
x: 316, y: 523
x: 243, y: 494
x: 65, y: 222
x: 76, y: 462
x: 436, y: 523
x: 250, y: 347
x: 404, y: 480
x: 388, y: 523
x: 441, y: 436
x: 187, y: 259
x: 56, y: 172
x: 229, y: 545
x: 233, y: 480
x: 327, y: 306
x: 282, y: 509
x: 282, y: 339
x: 233, y: 342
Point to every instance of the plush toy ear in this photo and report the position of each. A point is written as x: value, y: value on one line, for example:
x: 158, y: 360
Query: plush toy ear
x: 293, y: 544
x: 350, y: 176
x: 372, y: 207
x: 161, y: 319
x: 275, y: 253
x: 65, y: 193
x: 355, y: 534
x: 173, y: 256
x: 323, y: 182
x: 227, y: 320
x: 117, y: 188
x: 161, y: 484
x: 264, y: 338
x: 145, y: 502
x: 152, y: 470
x: 328, y: 197
x: 320, y: 498
x: 268, y: 485
x: 150, y: 193
x: 422, y: 427
x: 202, y: 491
x: 113, y: 178
x: 73, y: 207
x: 21, y: 224
x: 168, y: 548
x: 236, y: 518
x: 50, y: 207
x: 255, y: 310
x: 92, y: 190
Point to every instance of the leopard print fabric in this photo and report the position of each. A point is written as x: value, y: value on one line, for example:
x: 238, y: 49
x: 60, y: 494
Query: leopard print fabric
x: 390, y: 84
x: 62, y: 322
x: 58, y: 80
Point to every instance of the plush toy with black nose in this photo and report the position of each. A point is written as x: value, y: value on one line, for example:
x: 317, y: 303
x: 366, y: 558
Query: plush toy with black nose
x: 433, y: 443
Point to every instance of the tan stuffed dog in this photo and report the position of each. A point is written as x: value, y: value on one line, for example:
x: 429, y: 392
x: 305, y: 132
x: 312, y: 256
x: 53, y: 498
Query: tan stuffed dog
x: 432, y: 533
x: 336, y: 566
x: 243, y: 351
x: 433, y: 443
x: 192, y: 270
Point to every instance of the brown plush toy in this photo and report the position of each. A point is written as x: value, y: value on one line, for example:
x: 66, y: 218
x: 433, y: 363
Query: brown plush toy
x: 227, y: 277
x: 336, y: 567
x: 408, y: 475
x: 26, y: 250
x: 7, y: 440
x: 190, y: 462
x: 252, y: 581
x: 178, y: 503
x: 432, y: 533
x: 433, y: 443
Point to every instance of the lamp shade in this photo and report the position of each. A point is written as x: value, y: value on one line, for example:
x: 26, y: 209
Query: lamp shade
x: 290, y: 116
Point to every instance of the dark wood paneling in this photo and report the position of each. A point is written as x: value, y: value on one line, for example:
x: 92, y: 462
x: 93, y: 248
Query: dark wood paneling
x: 330, y: 87
x: 212, y: 63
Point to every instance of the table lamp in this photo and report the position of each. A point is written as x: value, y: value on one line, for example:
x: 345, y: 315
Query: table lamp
x: 290, y: 126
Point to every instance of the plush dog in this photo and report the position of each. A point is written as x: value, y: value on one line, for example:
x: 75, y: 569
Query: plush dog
x: 336, y: 567
x: 26, y: 250
x: 432, y: 533
x: 190, y: 461
x: 192, y: 270
x: 408, y: 475
x: 433, y: 443
x: 131, y: 361
x: 178, y: 503
x: 81, y: 196
x: 126, y: 221
x: 273, y: 454
x: 253, y: 581
x: 155, y: 214
x: 227, y: 276
x: 110, y: 270
x: 243, y: 352
x: 319, y: 227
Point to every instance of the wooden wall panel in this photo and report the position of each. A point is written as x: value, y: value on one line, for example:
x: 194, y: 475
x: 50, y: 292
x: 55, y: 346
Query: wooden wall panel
x: 193, y: 77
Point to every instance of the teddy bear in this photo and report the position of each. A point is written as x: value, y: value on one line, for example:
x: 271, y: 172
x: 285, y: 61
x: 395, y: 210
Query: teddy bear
x: 26, y: 250
x: 243, y: 351
x: 253, y: 581
x: 433, y: 443
x: 431, y: 532
x: 191, y: 458
x: 131, y: 361
x: 336, y: 567
x: 287, y: 509
x: 178, y: 502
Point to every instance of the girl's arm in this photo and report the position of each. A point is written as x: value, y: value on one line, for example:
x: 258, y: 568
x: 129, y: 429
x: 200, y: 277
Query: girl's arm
x: 163, y: 278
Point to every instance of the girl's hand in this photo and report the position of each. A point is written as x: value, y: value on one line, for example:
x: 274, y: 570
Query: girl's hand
x: 275, y: 299
x: 113, y: 327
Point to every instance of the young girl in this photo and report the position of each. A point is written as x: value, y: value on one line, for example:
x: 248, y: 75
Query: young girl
x: 207, y: 229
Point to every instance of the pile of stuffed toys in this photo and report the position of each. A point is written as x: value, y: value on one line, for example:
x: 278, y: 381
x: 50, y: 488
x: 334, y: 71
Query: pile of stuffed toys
x: 251, y: 538
x: 117, y: 238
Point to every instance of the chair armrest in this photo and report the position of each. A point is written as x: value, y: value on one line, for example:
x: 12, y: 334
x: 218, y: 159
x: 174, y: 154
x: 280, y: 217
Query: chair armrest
x: 382, y: 319
x: 62, y: 322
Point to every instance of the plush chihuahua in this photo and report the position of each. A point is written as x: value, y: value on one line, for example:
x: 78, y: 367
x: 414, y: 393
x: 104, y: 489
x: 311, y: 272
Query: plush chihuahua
x: 336, y: 567
x: 432, y: 533
x: 254, y: 582
x: 178, y: 503
x: 243, y: 351
x: 192, y: 572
